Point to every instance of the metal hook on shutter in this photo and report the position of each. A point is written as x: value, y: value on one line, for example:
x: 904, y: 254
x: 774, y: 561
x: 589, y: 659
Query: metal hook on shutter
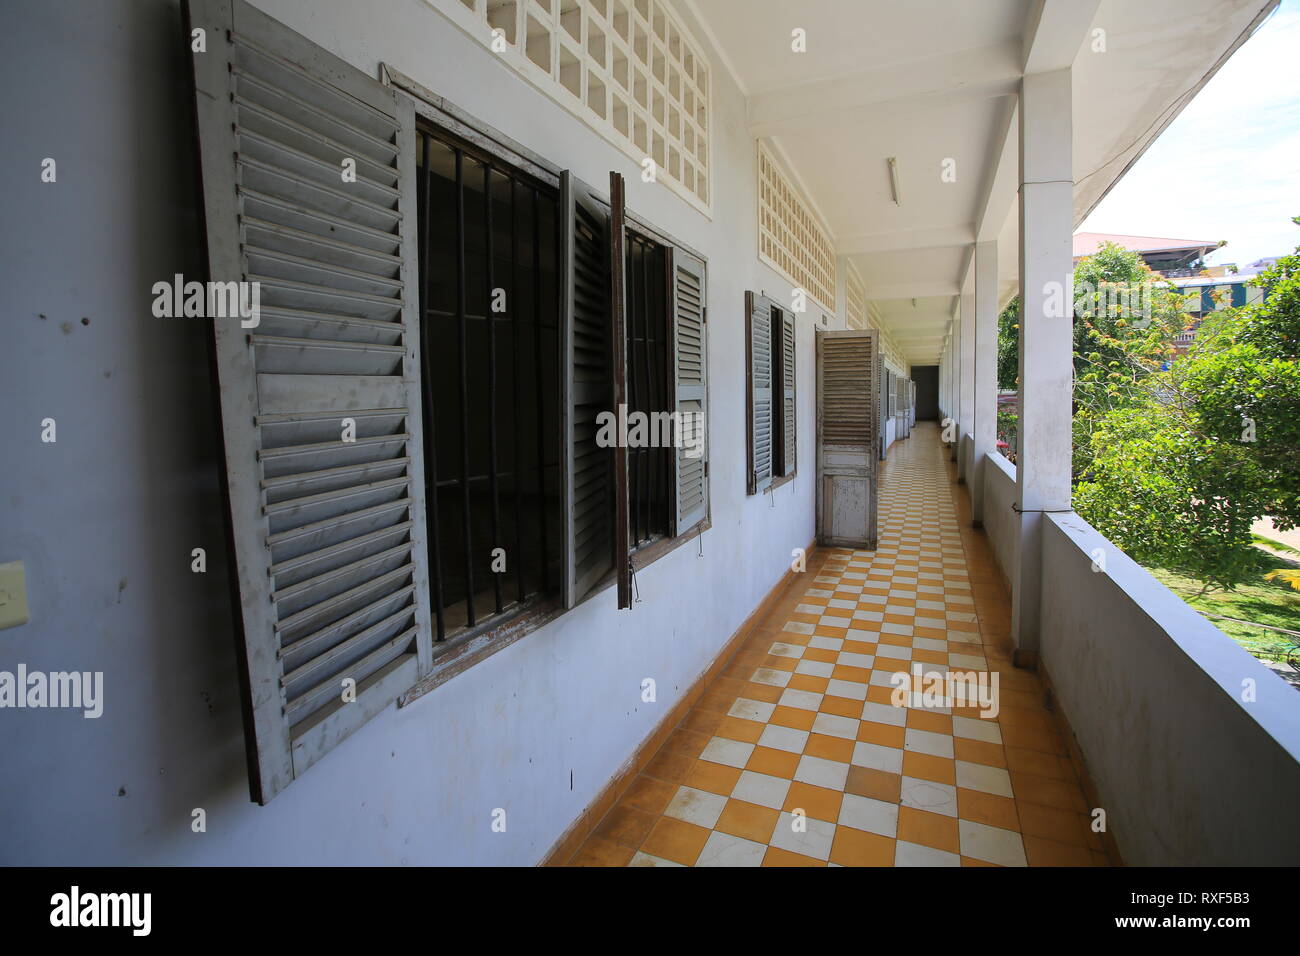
x: 636, y: 588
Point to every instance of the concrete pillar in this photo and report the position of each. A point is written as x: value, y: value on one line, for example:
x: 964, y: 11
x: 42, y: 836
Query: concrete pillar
x: 1046, y: 298
x: 985, y: 401
x: 945, y: 380
x: 954, y: 385
x: 943, y: 385
x: 966, y: 379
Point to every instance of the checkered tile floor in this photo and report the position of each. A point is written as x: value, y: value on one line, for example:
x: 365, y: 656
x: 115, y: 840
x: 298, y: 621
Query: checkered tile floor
x: 796, y: 756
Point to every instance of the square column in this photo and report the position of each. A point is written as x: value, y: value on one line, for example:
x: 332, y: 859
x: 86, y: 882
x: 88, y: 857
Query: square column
x: 986, y: 371
x: 943, y: 386
x: 966, y: 381
x: 1046, y: 325
x: 954, y: 362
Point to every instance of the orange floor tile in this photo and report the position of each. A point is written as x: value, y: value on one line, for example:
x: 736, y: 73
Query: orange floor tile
x: 797, y: 755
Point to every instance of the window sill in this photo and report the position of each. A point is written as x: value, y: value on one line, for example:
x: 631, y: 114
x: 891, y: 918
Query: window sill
x: 776, y: 483
x: 461, y: 652
x: 650, y: 553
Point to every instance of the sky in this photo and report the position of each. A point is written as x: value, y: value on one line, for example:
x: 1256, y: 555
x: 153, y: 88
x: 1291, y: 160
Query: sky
x: 1228, y: 167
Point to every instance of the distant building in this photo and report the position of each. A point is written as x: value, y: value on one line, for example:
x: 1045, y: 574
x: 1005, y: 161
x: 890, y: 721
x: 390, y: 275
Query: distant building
x: 1217, y: 288
x: 1168, y: 256
x: 1182, y: 262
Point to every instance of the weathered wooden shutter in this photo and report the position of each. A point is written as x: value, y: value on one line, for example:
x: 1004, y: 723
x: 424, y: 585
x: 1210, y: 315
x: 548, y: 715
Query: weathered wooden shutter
x: 882, y: 402
x: 900, y: 393
x: 618, y: 329
x: 320, y: 402
x: 788, y: 446
x: 589, y: 390
x: 847, y: 426
x: 690, y: 374
x: 759, y: 310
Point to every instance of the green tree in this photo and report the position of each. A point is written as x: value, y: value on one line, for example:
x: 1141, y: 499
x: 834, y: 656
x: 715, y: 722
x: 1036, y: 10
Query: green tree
x: 1009, y: 346
x: 1189, y: 456
x: 1125, y: 319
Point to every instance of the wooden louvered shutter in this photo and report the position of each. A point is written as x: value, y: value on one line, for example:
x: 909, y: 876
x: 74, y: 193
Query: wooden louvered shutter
x: 882, y: 401
x: 789, y: 450
x: 618, y: 330
x: 690, y: 375
x: 589, y: 390
x: 327, y: 532
x: 847, y: 429
x: 759, y: 312
x: 900, y: 390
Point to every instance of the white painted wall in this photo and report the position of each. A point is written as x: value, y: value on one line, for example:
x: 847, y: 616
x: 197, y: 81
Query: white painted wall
x: 966, y: 457
x: 1190, y: 774
x: 1001, y: 524
x: 105, y: 519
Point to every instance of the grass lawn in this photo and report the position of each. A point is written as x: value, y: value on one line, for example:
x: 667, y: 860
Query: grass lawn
x: 1263, y: 602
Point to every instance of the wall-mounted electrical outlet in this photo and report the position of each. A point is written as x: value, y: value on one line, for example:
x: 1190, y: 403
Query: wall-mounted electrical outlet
x: 13, y: 594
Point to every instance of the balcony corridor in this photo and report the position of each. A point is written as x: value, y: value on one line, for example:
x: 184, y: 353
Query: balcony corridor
x: 801, y: 718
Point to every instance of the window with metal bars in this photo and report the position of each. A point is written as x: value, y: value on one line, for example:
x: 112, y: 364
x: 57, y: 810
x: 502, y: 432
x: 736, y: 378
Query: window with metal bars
x: 490, y: 293
x: 770, y: 345
x: 650, y: 465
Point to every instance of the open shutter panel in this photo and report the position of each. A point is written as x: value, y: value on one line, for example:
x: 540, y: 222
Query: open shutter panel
x: 760, y: 377
x: 847, y: 398
x: 788, y: 413
x: 690, y: 370
x: 589, y: 384
x: 327, y: 533
x: 618, y: 329
x: 881, y: 401
x: 847, y: 430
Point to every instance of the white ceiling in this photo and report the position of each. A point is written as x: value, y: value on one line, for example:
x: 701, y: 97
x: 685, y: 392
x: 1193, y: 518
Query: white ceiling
x: 931, y: 80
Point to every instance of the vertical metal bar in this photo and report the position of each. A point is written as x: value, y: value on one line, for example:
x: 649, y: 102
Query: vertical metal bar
x: 618, y: 305
x: 668, y: 380
x: 633, y: 394
x: 464, y: 385
x: 777, y: 357
x: 430, y: 432
x: 651, y: 453
x: 491, y: 319
x: 645, y: 496
x: 514, y: 389
x: 537, y: 378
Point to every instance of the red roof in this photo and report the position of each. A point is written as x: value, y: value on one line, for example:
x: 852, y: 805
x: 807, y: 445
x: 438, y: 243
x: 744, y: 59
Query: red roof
x: 1086, y: 243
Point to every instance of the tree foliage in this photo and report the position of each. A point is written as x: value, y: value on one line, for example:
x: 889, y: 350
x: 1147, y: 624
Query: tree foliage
x: 1009, y: 346
x: 1183, y: 456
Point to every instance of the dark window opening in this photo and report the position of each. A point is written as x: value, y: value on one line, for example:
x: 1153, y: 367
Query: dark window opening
x: 782, y: 417
x: 649, y: 391
x: 490, y: 349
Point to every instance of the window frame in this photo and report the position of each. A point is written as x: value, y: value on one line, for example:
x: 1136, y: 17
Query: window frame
x: 465, y: 648
x: 776, y: 426
x: 652, y: 551
x: 493, y: 620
